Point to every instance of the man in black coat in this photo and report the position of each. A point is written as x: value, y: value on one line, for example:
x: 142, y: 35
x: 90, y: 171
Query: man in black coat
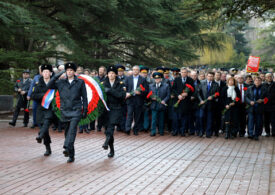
x: 271, y: 100
x: 183, y: 96
x: 217, y: 112
x: 44, y: 115
x: 135, y: 100
x: 255, y: 98
x: 73, y: 99
x: 194, y: 122
x: 208, y: 88
x: 21, y: 88
x: 115, y: 97
x: 267, y: 107
x: 121, y: 76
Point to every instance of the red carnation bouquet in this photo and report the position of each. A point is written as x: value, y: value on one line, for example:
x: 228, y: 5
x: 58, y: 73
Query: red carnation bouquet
x: 258, y: 101
x: 27, y: 108
x: 140, y: 89
x: 245, y: 88
x: 18, y: 81
x: 187, y: 89
x: 152, y: 96
x: 217, y: 94
x: 237, y: 99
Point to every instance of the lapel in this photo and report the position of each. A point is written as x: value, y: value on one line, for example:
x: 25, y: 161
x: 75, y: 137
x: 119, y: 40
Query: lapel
x: 204, y: 89
x: 139, y: 81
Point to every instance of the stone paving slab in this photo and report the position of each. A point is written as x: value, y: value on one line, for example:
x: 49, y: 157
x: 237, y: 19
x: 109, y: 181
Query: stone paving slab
x: 142, y: 165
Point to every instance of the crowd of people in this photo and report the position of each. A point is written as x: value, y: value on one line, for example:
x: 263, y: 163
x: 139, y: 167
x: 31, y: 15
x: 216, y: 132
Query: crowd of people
x: 186, y: 101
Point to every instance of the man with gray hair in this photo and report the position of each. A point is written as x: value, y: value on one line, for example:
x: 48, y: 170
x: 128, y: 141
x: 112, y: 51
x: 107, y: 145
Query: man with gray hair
x: 135, y: 99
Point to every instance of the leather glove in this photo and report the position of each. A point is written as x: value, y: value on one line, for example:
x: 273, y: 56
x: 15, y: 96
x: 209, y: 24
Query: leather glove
x: 56, y: 76
x: 107, y: 90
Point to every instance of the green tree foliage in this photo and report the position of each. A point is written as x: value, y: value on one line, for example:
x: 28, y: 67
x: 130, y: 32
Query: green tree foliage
x: 266, y: 45
x: 100, y: 32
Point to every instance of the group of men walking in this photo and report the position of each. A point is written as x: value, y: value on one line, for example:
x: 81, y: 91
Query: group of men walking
x: 181, y: 101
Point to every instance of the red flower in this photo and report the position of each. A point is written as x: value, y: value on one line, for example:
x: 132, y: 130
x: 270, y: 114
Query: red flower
x: 237, y: 99
x: 245, y: 88
x: 265, y: 100
x: 217, y: 94
x: 18, y: 81
x: 27, y: 110
x: 149, y: 94
x: 172, y: 83
x: 190, y: 87
x: 141, y: 87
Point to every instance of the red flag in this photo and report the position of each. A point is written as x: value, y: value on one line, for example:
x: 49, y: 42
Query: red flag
x: 253, y: 64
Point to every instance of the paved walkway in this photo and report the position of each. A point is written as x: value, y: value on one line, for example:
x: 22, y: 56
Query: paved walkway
x: 142, y: 165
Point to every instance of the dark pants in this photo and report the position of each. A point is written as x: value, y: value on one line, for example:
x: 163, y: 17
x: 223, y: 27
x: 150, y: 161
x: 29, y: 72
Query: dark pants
x: 208, y: 117
x: 101, y: 121
x: 34, y: 109
x: 191, y: 123
x: 180, y: 122
x: 121, y: 125
x: 44, y: 131
x: 242, y: 119
x: 268, y: 122
x: 157, y: 119
x: 146, y: 118
x: 134, y: 112
x: 217, y: 119
x: 255, y: 124
x: 16, y: 113
x: 199, y: 121
x: 70, y: 134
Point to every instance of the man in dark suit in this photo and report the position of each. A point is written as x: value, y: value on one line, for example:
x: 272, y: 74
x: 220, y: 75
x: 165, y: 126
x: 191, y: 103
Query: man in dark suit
x: 242, y: 111
x: 255, y: 98
x: 271, y: 100
x: 208, y: 88
x: 135, y: 100
x: 217, y: 112
x: 183, y: 96
x: 267, y: 107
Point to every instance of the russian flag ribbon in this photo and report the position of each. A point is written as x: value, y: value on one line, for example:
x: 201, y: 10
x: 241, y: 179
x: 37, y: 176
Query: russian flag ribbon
x: 47, y: 98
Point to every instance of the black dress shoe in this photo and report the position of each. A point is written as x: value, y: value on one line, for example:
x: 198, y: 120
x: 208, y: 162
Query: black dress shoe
x: 111, y: 154
x: 66, y: 153
x: 152, y: 134
x: 267, y: 135
x: 33, y: 126
x: 174, y: 134
x: 38, y: 139
x: 250, y: 137
x: 182, y: 135
x: 256, y: 138
x: 191, y: 133
x: 106, y: 143
x: 241, y: 135
x: 53, y: 128
x: 208, y: 136
x: 128, y: 132
x: 80, y: 131
x: 48, y: 153
x: 87, y: 131
x: 12, y: 124
x: 161, y: 134
x: 135, y: 133
x: 70, y: 160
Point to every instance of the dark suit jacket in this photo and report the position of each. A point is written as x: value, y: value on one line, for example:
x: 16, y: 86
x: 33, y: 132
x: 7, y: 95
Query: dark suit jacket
x: 163, y: 93
x: 250, y: 97
x: 203, y: 94
x: 137, y: 99
x: 185, y: 105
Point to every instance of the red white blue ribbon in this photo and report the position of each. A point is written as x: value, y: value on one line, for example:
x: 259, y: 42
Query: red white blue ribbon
x: 47, y: 98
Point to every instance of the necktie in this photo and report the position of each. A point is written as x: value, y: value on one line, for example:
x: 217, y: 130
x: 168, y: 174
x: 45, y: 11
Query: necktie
x: 208, y: 86
x: 241, y: 90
